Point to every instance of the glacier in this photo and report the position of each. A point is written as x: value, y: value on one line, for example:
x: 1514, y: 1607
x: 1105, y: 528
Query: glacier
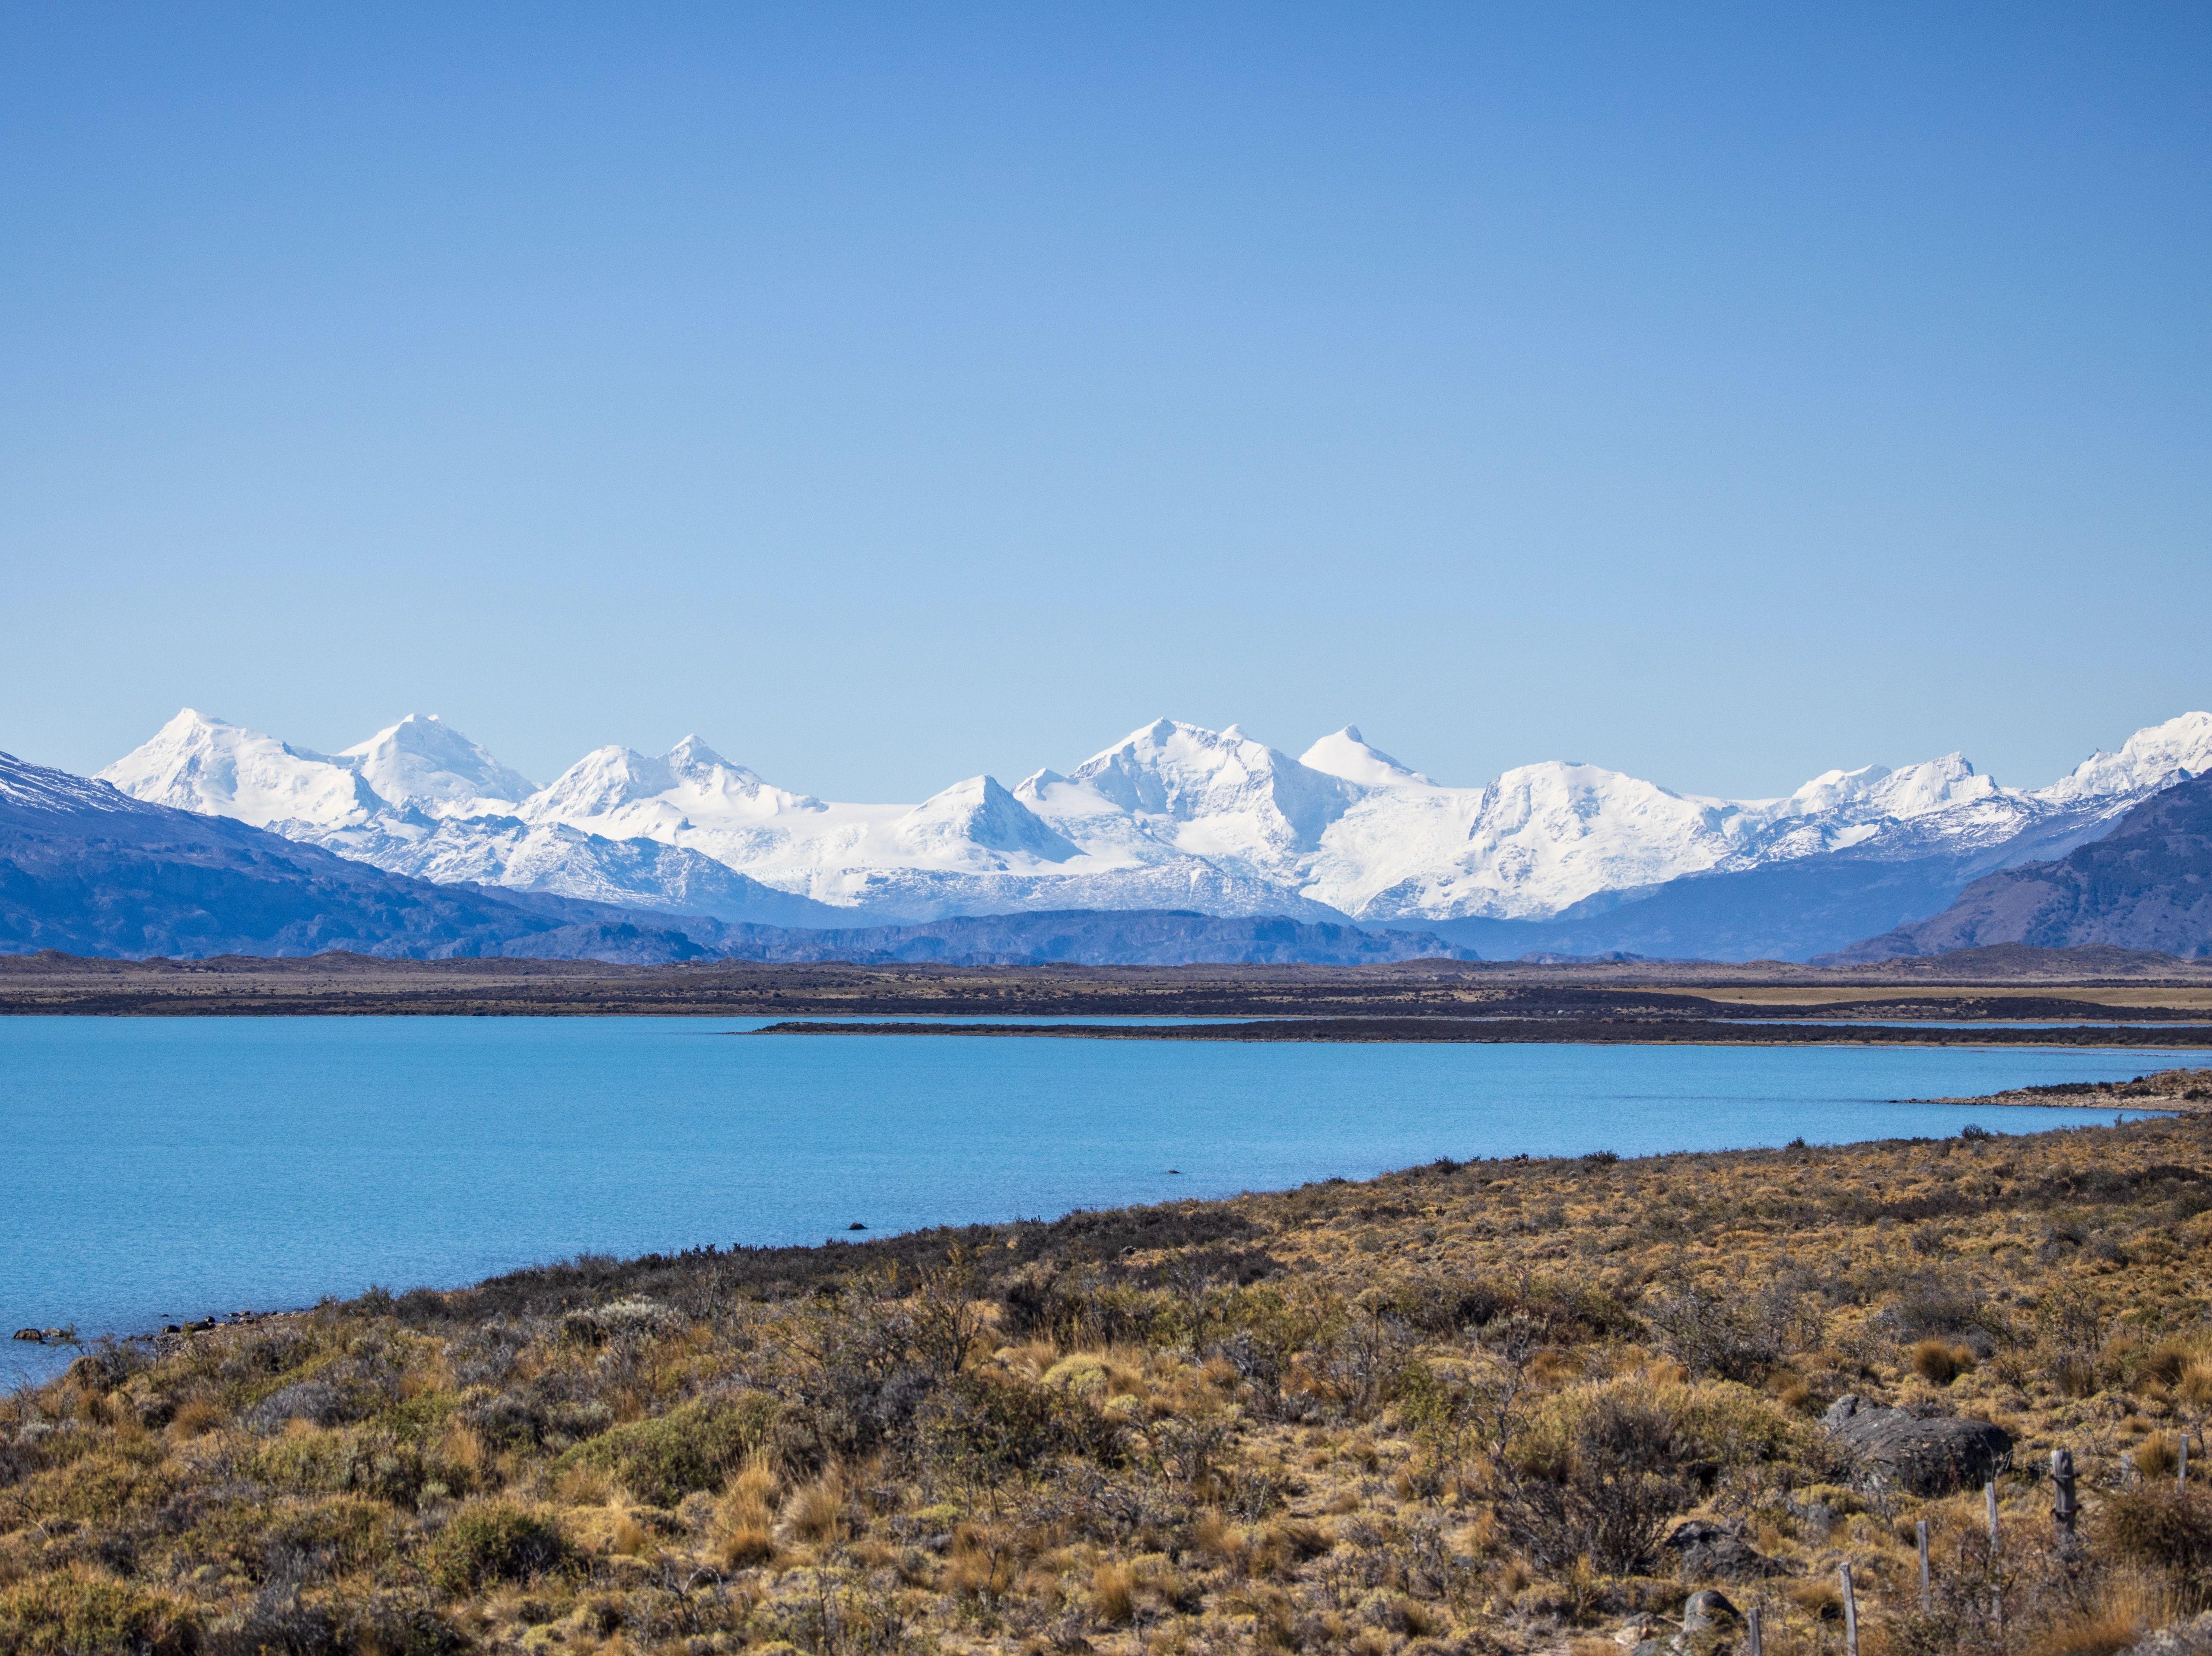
x: 1175, y: 815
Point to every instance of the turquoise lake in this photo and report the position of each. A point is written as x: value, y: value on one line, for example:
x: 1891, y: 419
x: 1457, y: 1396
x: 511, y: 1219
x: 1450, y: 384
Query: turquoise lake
x: 158, y: 1169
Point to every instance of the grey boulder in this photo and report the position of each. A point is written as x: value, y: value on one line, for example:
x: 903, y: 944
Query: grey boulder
x: 1920, y: 1457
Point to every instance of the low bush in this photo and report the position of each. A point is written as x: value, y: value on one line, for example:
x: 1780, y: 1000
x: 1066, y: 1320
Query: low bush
x: 78, y: 1613
x: 694, y: 1447
x: 1596, y: 1482
x: 985, y: 1428
x: 2164, y: 1527
x: 493, y: 1541
x: 1710, y: 1334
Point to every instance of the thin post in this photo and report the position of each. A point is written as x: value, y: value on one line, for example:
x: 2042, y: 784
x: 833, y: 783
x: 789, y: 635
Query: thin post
x: 1756, y: 1642
x: 1927, y: 1592
x: 1850, y: 1615
x: 2065, y: 1508
x: 1990, y: 1498
x: 2181, y: 1477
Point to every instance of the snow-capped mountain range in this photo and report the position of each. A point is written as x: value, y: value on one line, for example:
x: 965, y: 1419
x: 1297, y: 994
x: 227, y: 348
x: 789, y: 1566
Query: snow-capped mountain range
x: 1174, y: 816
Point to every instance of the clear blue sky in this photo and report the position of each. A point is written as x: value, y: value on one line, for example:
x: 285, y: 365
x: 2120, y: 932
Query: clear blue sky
x: 892, y: 393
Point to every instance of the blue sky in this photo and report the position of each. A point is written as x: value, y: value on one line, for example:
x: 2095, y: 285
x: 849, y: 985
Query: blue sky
x: 892, y: 393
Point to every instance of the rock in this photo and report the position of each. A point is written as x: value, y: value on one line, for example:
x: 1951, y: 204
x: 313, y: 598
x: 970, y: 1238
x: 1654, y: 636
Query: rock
x: 1704, y: 1548
x: 1708, y: 1612
x: 1922, y: 1456
x: 2191, y: 1638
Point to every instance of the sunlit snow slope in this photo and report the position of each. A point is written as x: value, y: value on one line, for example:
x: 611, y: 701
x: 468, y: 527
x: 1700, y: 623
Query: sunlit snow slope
x: 1174, y: 816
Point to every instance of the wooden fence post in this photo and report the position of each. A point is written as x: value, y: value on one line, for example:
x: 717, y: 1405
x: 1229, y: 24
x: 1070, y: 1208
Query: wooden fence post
x: 1850, y: 1615
x: 2065, y: 1508
x: 1755, y: 1643
x: 1927, y: 1592
x: 1990, y: 1497
x: 2181, y: 1477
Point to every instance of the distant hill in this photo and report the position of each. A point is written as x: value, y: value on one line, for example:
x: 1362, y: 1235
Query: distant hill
x: 1089, y: 937
x: 2147, y: 885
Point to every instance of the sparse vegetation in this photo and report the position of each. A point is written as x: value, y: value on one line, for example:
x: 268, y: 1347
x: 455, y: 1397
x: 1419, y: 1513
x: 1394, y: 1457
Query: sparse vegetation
x: 1503, y: 1406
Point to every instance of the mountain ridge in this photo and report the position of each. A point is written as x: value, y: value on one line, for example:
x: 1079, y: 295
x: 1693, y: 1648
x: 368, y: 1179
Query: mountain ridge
x: 1557, y: 856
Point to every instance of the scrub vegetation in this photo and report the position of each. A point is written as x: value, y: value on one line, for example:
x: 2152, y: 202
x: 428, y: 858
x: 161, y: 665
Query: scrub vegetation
x: 1493, y: 1406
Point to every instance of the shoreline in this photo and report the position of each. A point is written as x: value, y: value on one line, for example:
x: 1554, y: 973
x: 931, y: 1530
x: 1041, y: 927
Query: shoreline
x: 2171, y: 1092
x: 1565, y: 1031
x: 2137, y: 1097
x: 897, y: 1425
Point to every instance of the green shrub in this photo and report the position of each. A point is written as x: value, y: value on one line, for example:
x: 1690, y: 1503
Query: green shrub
x: 493, y: 1541
x: 693, y: 1447
x: 81, y: 1614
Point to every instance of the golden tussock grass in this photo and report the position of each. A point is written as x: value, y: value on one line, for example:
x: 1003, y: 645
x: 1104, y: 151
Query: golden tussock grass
x: 815, y: 1511
x: 1939, y: 1361
x: 745, y: 1518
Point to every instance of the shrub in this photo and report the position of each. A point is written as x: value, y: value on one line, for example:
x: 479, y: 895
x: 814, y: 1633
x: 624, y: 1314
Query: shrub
x: 1599, y: 1483
x: 631, y: 1319
x: 493, y: 1541
x: 693, y: 1447
x: 1709, y: 1335
x: 2165, y: 1527
x: 985, y: 1428
x: 81, y: 1613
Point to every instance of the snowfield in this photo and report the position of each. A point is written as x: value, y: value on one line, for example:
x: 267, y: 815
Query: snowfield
x: 1174, y: 816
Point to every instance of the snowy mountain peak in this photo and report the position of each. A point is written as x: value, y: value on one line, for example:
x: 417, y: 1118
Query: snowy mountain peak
x: 1877, y: 792
x: 1174, y: 815
x: 422, y: 763
x: 622, y: 793
x: 1348, y: 754
x: 693, y: 757
x: 2154, y: 756
x: 1219, y: 794
x: 219, y: 769
x: 978, y: 824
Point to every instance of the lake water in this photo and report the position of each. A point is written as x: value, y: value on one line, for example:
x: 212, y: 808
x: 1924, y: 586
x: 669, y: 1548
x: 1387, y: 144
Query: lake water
x: 158, y: 1169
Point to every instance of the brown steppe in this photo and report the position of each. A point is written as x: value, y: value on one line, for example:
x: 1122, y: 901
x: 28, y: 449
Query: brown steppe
x: 1463, y: 1407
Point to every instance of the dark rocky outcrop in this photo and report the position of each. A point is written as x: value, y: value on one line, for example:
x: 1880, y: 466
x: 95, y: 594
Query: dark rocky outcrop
x: 1707, y: 1551
x: 2147, y: 885
x: 1922, y: 1456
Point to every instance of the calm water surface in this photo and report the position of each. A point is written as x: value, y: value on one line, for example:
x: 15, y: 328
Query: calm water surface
x: 153, y: 1169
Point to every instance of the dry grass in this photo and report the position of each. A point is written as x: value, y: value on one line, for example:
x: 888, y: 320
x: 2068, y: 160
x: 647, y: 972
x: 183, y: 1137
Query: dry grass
x: 745, y: 1518
x: 816, y: 1512
x: 1941, y: 1362
x: 1400, y: 1416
